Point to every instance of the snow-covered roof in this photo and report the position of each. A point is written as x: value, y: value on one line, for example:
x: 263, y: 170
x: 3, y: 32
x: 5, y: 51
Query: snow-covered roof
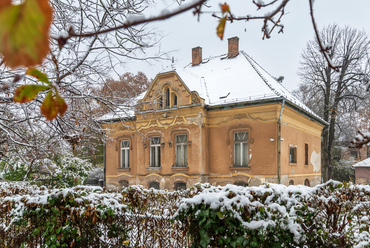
x: 363, y: 163
x: 221, y: 80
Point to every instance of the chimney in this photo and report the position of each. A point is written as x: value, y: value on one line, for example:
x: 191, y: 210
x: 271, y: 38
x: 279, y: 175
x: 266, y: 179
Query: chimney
x: 196, y: 56
x: 233, y: 47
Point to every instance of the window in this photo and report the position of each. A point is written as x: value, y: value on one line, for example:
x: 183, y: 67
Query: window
x: 354, y: 154
x: 241, y: 149
x: 307, y: 182
x: 291, y: 182
x: 161, y: 102
x: 174, y: 100
x: 181, y: 151
x: 155, y: 152
x: 125, y: 154
x: 123, y: 183
x: 306, y: 154
x: 241, y: 183
x: 293, y: 154
x: 167, y: 98
x: 180, y: 186
x: 154, y: 185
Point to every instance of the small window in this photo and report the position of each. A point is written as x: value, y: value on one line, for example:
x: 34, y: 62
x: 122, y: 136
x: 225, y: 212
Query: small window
x: 174, y: 100
x: 167, y: 98
x: 241, y: 183
x: 293, y: 155
x: 291, y: 182
x: 154, y: 185
x: 155, y: 152
x: 125, y: 154
x: 354, y: 154
x: 181, y: 151
x: 161, y: 102
x: 306, y: 154
x: 180, y: 186
x: 241, y: 149
x: 307, y: 182
x: 123, y: 183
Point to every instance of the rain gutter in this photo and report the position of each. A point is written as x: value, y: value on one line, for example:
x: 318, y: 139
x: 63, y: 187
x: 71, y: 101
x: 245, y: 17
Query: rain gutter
x: 279, y: 141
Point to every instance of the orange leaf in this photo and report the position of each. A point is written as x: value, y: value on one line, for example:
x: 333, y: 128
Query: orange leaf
x: 24, y: 32
x: 52, y: 106
x: 26, y: 93
x: 221, y: 28
x: 225, y: 8
x: 62, y: 106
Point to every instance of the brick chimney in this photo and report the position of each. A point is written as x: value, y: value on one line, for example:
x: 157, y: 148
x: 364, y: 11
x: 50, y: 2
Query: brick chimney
x: 233, y: 47
x: 196, y: 56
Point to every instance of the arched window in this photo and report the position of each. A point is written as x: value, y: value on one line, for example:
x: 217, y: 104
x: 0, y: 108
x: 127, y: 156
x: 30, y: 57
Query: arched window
x: 167, y: 97
x: 241, y: 183
x: 307, y: 182
x: 174, y: 100
x: 154, y: 185
x: 291, y: 182
x: 161, y: 102
x: 180, y: 186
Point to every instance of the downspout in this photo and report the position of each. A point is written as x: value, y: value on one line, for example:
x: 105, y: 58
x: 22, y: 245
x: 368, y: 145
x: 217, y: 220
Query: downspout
x: 279, y: 141
x: 104, y: 178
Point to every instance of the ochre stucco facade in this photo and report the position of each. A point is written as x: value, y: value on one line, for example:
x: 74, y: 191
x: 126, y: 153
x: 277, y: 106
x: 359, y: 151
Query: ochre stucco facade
x: 170, y: 110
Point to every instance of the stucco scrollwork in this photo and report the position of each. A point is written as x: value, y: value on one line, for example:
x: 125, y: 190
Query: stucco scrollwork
x: 194, y: 98
x: 240, y: 116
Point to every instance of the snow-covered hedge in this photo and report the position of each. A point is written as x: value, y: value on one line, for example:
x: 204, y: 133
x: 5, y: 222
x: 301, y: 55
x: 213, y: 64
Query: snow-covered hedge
x: 329, y: 215
x: 78, y: 217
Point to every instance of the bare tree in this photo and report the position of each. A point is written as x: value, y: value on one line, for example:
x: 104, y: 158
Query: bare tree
x: 331, y: 93
x: 75, y: 66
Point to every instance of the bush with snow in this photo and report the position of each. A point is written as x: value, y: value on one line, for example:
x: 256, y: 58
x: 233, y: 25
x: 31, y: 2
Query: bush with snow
x: 329, y: 215
x: 64, y: 171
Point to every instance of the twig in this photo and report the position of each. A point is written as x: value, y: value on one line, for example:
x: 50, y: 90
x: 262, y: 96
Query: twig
x: 323, y: 50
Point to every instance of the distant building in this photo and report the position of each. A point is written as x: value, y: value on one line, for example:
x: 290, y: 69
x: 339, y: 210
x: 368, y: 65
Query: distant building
x: 218, y: 120
x: 362, y: 171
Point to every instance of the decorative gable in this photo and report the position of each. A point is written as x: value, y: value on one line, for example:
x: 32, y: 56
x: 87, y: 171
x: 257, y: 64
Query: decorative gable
x: 168, y: 91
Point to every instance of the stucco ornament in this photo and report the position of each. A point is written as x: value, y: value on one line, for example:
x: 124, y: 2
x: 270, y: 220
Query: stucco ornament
x: 316, y: 161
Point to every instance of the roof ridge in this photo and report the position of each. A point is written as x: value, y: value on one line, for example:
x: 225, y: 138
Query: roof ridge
x: 260, y: 74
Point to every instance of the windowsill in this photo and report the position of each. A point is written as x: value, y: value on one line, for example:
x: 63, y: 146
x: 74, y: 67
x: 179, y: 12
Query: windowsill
x: 124, y: 169
x: 179, y: 168
x: 293, y: 164
x: 153, y: 168
x: 240, y: 167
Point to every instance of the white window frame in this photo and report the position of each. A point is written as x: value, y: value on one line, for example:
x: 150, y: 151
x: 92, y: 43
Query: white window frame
x: 181, y: 146
x: 125, y: 149
x: 156, y: 148
x: 244, y: 144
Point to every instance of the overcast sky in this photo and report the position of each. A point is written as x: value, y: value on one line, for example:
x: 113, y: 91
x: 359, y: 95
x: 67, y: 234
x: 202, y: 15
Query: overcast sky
x: 279, y: 55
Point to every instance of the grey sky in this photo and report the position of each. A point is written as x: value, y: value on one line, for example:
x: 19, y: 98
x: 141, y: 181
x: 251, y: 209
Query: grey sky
x: 279, y: 55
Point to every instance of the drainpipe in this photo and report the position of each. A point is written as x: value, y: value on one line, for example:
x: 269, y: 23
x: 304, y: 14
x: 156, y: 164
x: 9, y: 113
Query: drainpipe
x: 104, y: 178
x: 279, y: 141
